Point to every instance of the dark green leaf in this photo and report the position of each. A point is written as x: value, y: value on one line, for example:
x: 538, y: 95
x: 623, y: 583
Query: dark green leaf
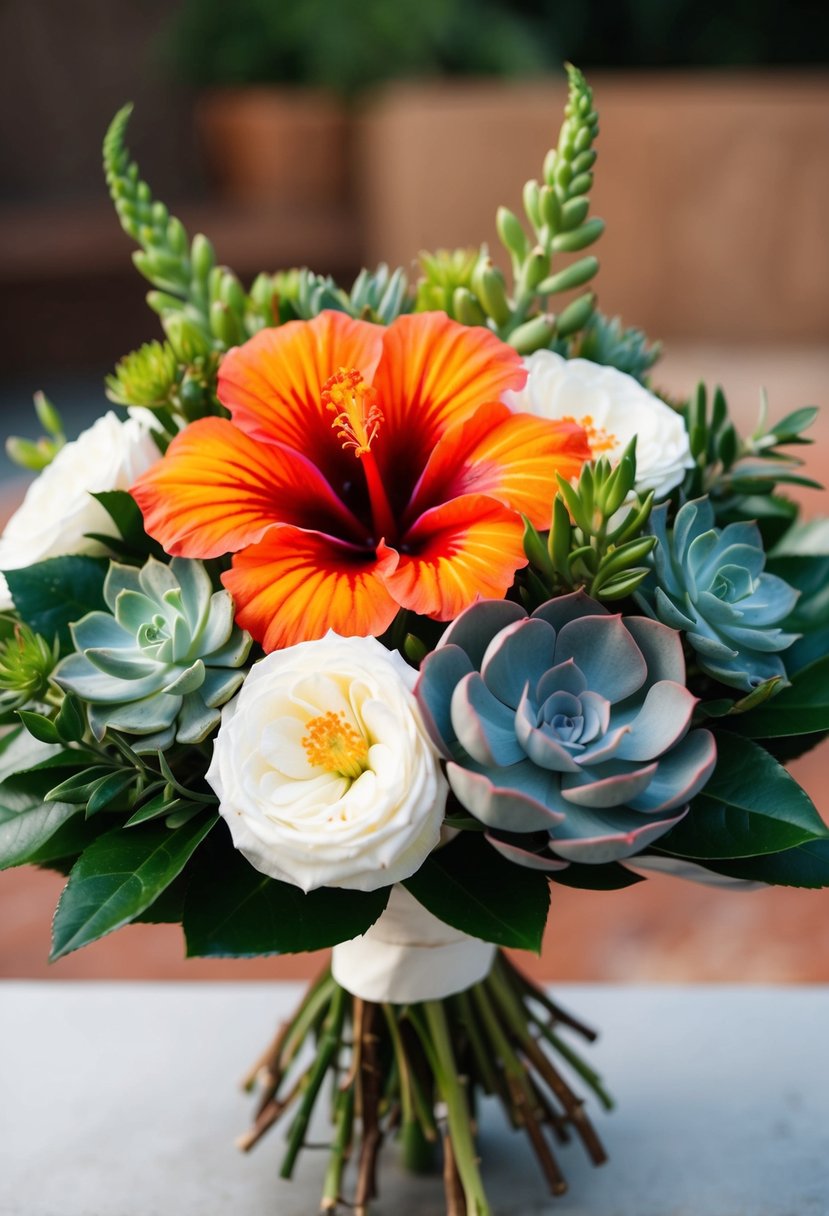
x: 168, y: 909
x: 800, y: 709
x: 609, y: 877
x: 806, y: 865
x: 51, y: 595
x: 118, y: 877
x: 108, y: 790
x: 233, y: 910
x: 71, y: 720
x: 750, y: 806
x: 471, y: 887
x: 125, y: 513
x: 78, y: 788
x: 27, y: 829
x: 40, y: 727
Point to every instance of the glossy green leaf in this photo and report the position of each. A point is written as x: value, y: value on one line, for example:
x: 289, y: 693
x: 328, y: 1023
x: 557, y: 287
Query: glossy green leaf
x: 125, y: 513
x: 471, y: 887
x: 233, y: 910
x: 750, y: 806
x: 800, y: 709
x: 28, y: 828
x: 51, y: 595
x: 118, y: 877
x: 40, y: 727
x: 608, y: 877
x: 806, y: 865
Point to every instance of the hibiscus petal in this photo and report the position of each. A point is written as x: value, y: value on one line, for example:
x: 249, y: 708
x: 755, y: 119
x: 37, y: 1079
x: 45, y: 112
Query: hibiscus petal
x: 434, y: 373
x: 295, y: 585
x: 511, y: 457
x: 273, y: 384
x: 217, y: 490
x: 466, y: 550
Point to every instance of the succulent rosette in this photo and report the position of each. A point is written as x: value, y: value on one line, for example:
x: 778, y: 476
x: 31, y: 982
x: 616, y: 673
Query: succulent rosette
x: 572, y: 721
x: 164, y: 657
x: 710, y: 583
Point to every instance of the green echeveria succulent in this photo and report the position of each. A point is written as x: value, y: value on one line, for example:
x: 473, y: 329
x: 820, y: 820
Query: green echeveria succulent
x: 709, y: 583
x: 571, y: 723
x: 163, y: 661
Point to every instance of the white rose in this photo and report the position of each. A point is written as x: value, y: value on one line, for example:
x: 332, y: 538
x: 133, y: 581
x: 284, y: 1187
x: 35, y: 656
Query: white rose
x: 613, y: 408
x: 323, y: 768
x: 58, y: 511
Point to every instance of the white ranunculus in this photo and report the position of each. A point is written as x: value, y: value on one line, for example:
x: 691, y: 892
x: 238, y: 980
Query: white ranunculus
x: 58, y: 510
x: 323, y: 769
x: 612, y: 407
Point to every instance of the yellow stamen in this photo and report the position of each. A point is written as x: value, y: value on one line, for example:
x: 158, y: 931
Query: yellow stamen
x: 355, y: 408
x: 333, y: 744
x: 598, y: 438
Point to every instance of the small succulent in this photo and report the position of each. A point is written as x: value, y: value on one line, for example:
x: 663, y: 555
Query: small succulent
x: 709, y: 583
x: 26, y: 663
x: 163, y: 661
x: 571, y: 722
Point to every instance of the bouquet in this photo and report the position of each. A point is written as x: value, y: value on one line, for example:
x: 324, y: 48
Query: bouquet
x: 380, y: 613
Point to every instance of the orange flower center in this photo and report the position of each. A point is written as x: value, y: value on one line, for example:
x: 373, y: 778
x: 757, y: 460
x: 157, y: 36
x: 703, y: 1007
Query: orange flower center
x: 355, y: 408
x: 598, y: 438
x: 333, y: 744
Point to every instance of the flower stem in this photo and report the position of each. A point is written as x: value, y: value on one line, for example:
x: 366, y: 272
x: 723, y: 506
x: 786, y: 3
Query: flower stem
x: 328, y: 1046
x: 457, y: 1107
x: 340, y: 1149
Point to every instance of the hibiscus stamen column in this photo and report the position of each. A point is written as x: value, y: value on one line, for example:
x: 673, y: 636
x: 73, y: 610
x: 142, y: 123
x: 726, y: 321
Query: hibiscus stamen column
x: 358, y: 416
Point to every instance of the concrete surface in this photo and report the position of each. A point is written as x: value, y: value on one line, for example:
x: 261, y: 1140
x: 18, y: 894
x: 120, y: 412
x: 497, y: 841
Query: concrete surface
x: 119, y: 1100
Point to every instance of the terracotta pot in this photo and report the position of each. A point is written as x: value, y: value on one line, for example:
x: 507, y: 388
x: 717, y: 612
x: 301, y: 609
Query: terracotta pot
x: 274, y: 145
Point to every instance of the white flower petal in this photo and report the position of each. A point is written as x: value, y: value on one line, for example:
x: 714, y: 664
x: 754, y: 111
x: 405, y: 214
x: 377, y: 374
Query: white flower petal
x: 297, y: 822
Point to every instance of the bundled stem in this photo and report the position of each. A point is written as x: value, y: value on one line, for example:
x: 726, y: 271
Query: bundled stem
x: 417, y: 1071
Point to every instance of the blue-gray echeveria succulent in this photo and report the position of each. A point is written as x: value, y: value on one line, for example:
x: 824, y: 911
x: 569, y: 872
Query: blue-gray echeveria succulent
x: 709, y: 583
x: 163, y: 661
x: 573, y: 722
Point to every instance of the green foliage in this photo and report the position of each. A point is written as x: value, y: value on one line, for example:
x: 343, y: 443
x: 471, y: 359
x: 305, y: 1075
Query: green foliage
x: 118, y: 877
x: 605, y: 341
x: 471, y: 887
x: 586, y: 546
x: 233, y: 910
x: 750, y: 806
x: 800, y: 709
x: 50, y: 595
x: 733, y: 470
x: 609, y: 877
x: 806, y: 865
x: 349, y: 46
x: 133, y: 544
x: 36, y: 455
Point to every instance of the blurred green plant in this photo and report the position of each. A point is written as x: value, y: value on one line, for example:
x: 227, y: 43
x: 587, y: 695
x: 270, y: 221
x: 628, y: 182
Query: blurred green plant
x: 349, y: 45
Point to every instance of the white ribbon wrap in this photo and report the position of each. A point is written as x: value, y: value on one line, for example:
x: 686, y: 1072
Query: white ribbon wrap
x: 410, y: 955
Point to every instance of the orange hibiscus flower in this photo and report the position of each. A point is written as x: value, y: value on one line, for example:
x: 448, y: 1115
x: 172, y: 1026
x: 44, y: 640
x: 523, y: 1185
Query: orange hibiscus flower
x: 364, y: 469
